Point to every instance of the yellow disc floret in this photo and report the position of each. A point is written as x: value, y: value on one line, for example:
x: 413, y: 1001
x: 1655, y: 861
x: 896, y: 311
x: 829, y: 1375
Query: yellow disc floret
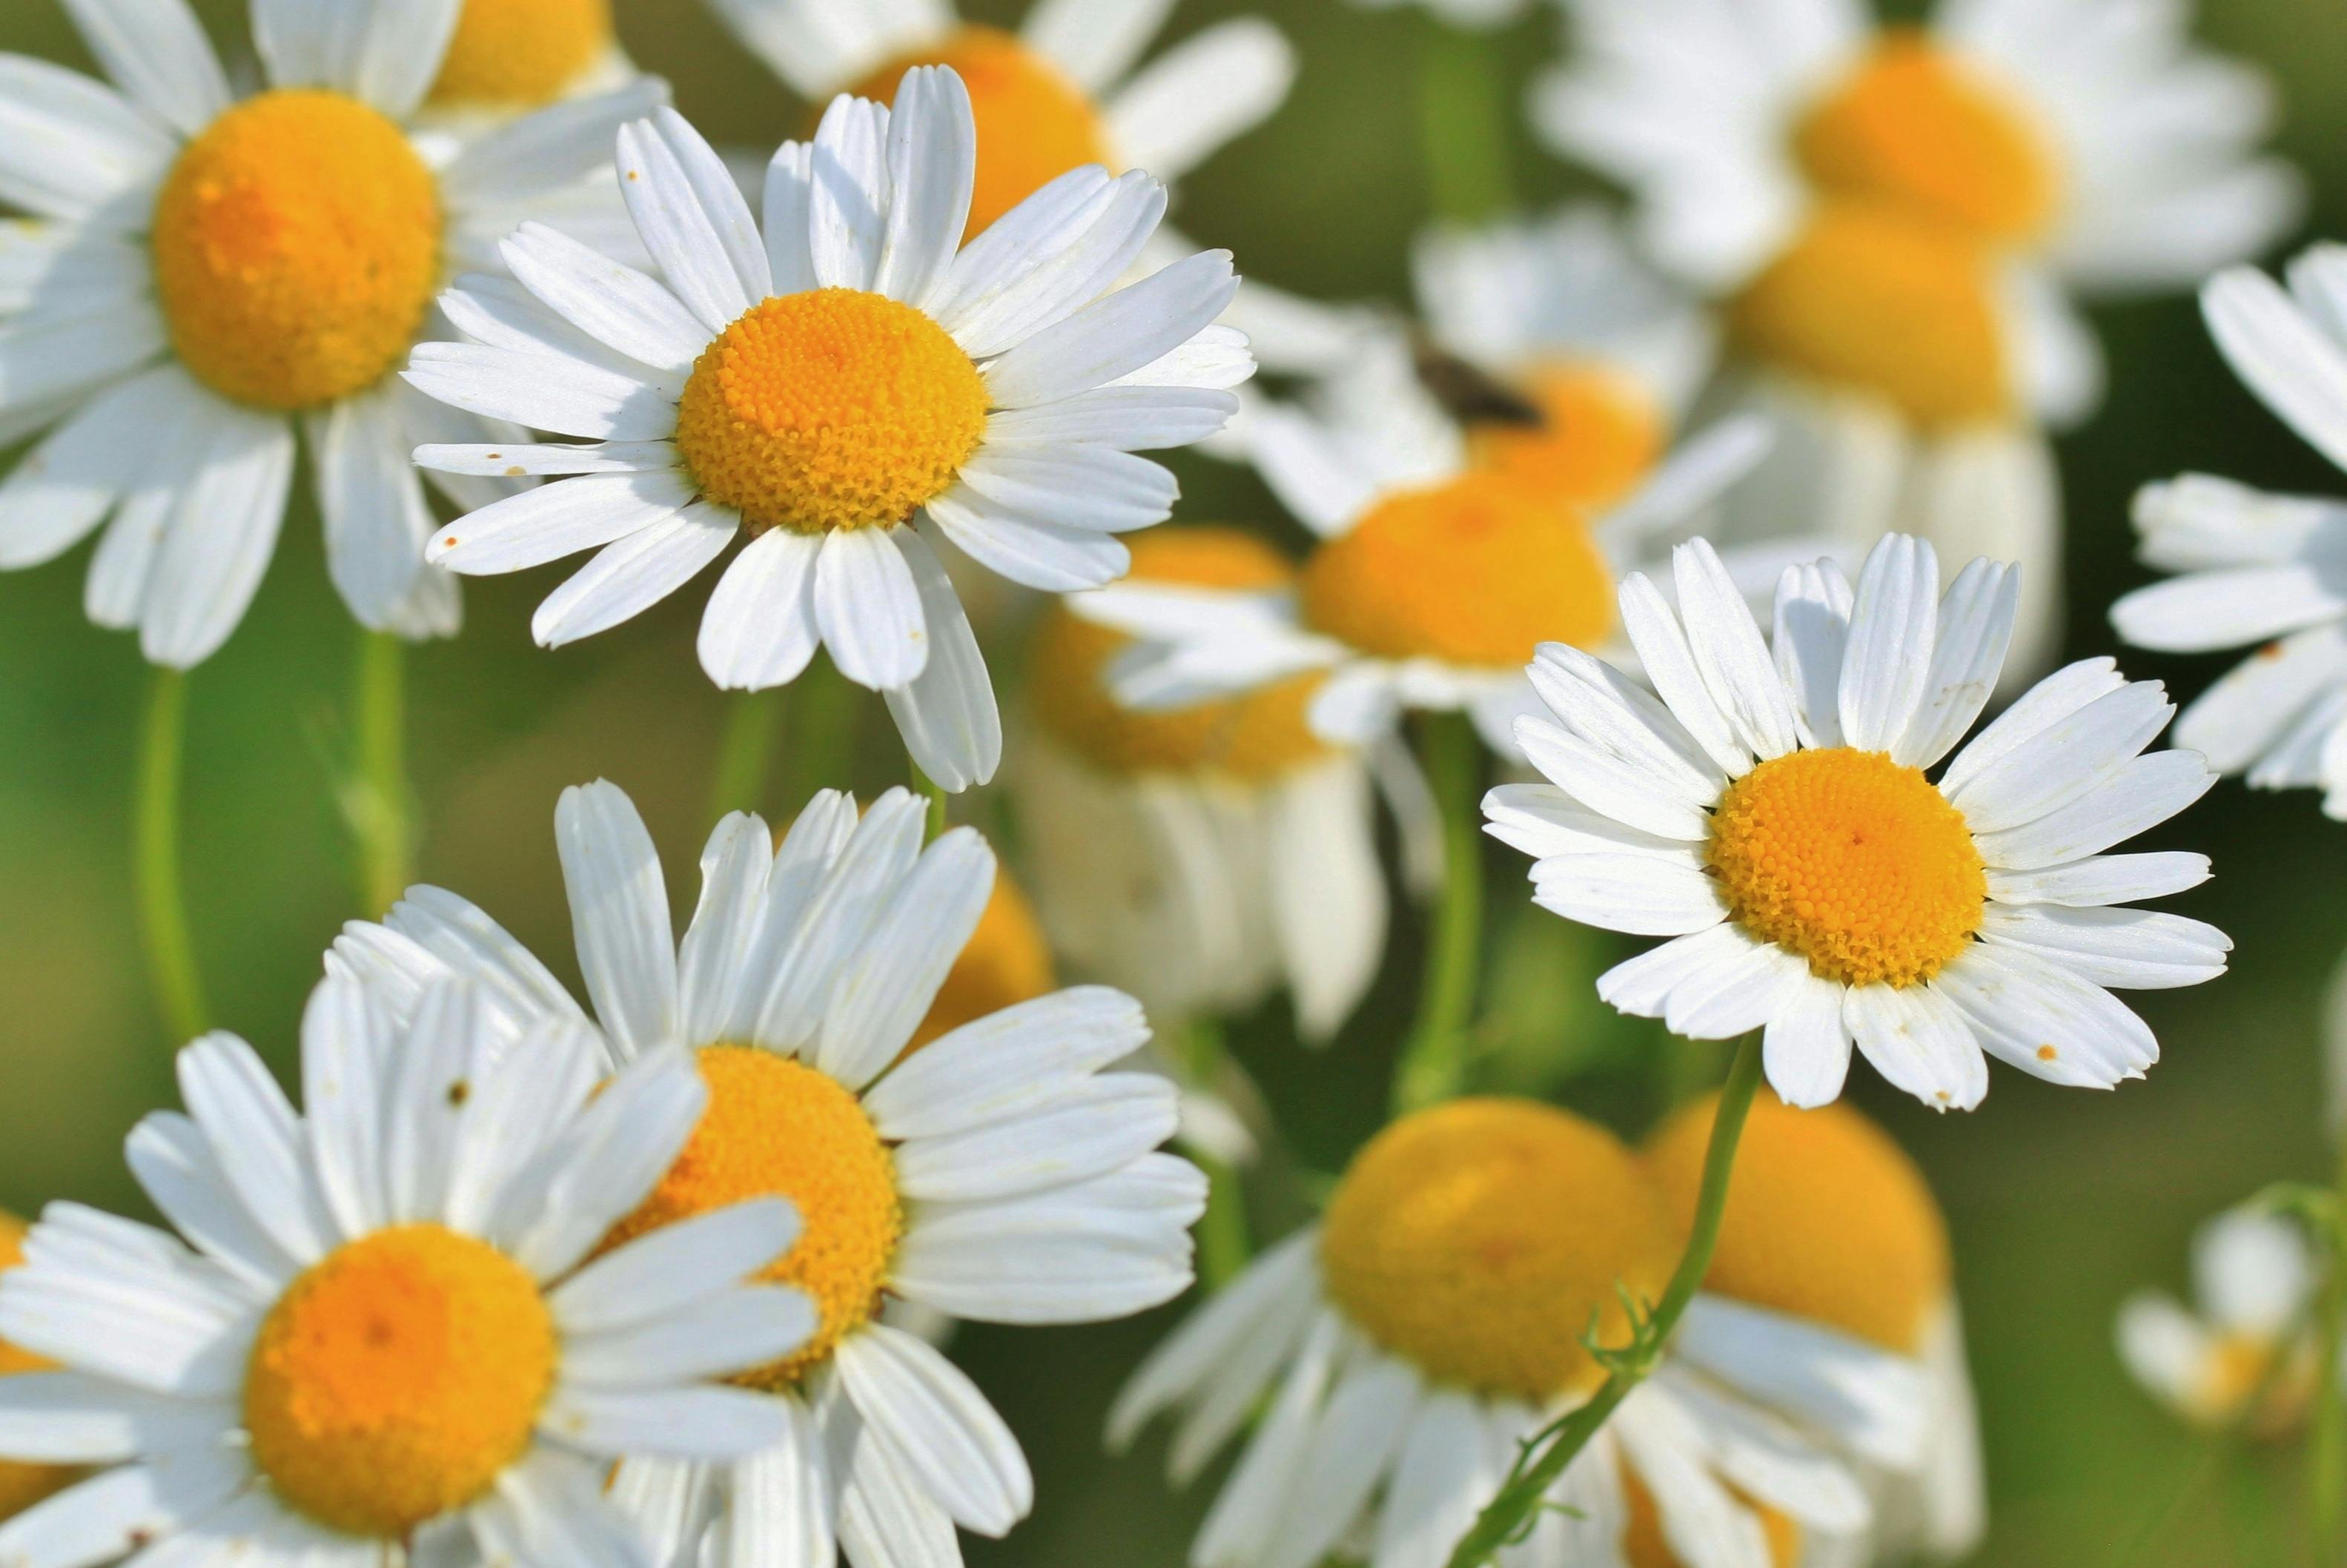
x: 1827, y: 1219
x: 23, y: 1485
x: 1870, y: 298
x: 830, y: 409
x: 1850, y: 860
x: 396, y: 1378
x: 1599, y: 435
x: 1919, y: 128
x: 1006, y: 962
x: 1478, y: 1240
x: 297, y: 244
x: 521, y: 53
x: 1034, y: 123
x: 776, y: 1128
x: 1477, y: 571
x: 1251, y: 738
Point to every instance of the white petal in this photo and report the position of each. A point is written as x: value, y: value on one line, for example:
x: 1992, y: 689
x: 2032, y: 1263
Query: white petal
x: 870, y: 608
x: 1640, y: 894
x: 1441, y: 1479
x: 1975, y: 628
x: 1730, y: 654
x: 693, y: 219
x: 759, y: 630
x: 779, y: 1514
x: 2047, y: 703
x: 932, y: 152
x: 223, y: 532
x: 1006, y: 1064
x: 1115, y: 336
x: 70, y: 1418
x: 714, y: 1336
x: 1867, y: 1398
x: 2280, y: 356
x: 1051, y: 558
x: 2131, y: 949
x: 1354, y: 1442
x: 1075, y: 487
x: 1211, y: 87
x: 619, y: 915
x: 615, y: 304
x: 1893, y: 627
x: 256, y: 1137
x: 113, y: 1514
x: 646, y: 1279
x: 552, y: 521
x: 1806, y: 1051
x: 157, y: 50
x: 1096, y: 42
x: 542, y: 391
x: 1057, y: 251
x: 372, y: 501
x: 1918, y: 1041
x: 630, y: 575
x: 933, y: 1421
x: 2102, y: 880
x: 2045, y: 1021
x: 847, y: 209
x: 697, y: 1421
x: 2065, y: 760
x: 886, y: 986
x: 1668, y: 661
x: 1087, y: 1130
x: 948, y: 716
x: 2145, y: 792
x: 1812, y: 626
x: 70, y: 148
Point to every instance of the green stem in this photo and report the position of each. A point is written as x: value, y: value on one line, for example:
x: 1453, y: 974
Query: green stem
x: 1521, y: 1496
x: 1223, y: 1242
x: 382, y: 805
x: 937, y: 794
x: 1434, y: 1058
x: 1463, y: 126
x: 745, y: 752
x: 162, y: 902
x: 824, y: 714
x: 2327, y: 1465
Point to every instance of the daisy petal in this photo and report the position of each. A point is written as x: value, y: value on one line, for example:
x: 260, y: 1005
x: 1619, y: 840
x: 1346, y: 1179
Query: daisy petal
x: 948, y: 716
x: 630, y: 575
x: 1806, y: 1051
x: 618, y: 908
x: 932, y: 154
x: 937, y: 1426
x: 1918, y: 1040
x: 759, y: 629
x: 1115, y: 336
x: 1893, y: 629
x: 870, y: 608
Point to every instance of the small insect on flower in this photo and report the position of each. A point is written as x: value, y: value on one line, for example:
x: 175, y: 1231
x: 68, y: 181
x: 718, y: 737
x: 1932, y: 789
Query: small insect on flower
x: 396, y: 1317
x: 2241, y: 1351
x: 1772, y: 816
x: 203, y: 277
x: 843, y: 390
x: 2256, y: 569
x: 1067, y: 90
x: 1896, y: 218
x: 995, y: 1173
x: 1443, y: 1311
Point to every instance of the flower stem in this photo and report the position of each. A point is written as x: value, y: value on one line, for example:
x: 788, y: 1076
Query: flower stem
x: 745, y: 752
x: 380, y: 804
x: 825, y: 722
x: 1520, y: 1494
x: 1224, y: 1244
x: 1433, y: 1062
x: 1463, y: 126
x: 162, y: 901
x: 937, y: 794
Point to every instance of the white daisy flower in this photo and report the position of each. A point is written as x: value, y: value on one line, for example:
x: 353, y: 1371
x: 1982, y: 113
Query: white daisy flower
x: 1200, y: 856
x: 1473, y: 14
x: 2254, y: 1277
x: 824, y: 389
x: 1771, y: 816
x: 2254, y: 568
x: 203, y: 277
x: 995, y: 1173
x: 1066, y: 91
x: 1832, y: 1251
x: 395, y: 1322
x: 1403, y: 1348
x: 23, y: 1485
x: 1437, y: 564
x: 1898, y: 217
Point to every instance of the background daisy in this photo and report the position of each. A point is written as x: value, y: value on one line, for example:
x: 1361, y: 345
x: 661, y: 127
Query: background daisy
x: 1434, y: 1319
x: 845, y: 389
x: 1771, y: 816
x: 2244, y: 1334
x: 23, y: 1485
x: 510, y: 57
x: 209, y: 276
x: 391, y: 1319
x: 994, y: 1174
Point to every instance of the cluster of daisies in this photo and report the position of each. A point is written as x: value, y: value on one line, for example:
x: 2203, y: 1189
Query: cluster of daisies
x: 1718, y: 537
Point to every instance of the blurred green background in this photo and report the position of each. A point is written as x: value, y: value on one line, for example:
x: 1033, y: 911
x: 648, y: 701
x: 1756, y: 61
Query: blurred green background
x: 2060, y: 1203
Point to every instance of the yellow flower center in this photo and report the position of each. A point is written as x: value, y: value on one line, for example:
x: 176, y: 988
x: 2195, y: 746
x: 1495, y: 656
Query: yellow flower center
x: 830, y: 409
x: 297, y: 243
x: 1477, y: 570
x: 1850, y: 860
x: 521, y: 53
x: 1923, y: 129
x: 23, y: 1485
x: 776, y: 1128
x: 1875, y: 299
x: 1252, y: 738
x: 1827, y: 1219
x: 1006, y: 962
x: 1642, y: 1536
x: 395, y: 1378
x: 1600, y: 434
x: 1034, y: 123
x: 1478, y: 1239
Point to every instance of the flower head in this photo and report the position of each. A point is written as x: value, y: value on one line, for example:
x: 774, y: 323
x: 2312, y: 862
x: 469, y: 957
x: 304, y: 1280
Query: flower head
x: 842, y: 390
x: 1772, y: 814
x: 397, y: 1314
x: 994, y: 1172
x: 207, y: 276
x: 2241, y: 1338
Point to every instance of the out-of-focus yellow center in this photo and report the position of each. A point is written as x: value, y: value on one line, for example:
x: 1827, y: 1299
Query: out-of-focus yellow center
x: 1477, y: 570
x: 1007, y: 961
x: 1850, y: 860
x: 1477, y: 1240
x: 297, y: 244
x: 1876, y: 300
x: 778, y: 1128
x: 830, y: 409
x: 23, y: 1485
x: 1034, y: 123
x: 521, y: 53
x: 1600, y: 436
x: 1642, y: 1537
x: 1921, y: 129
x: 2242, y: 1365
x: 1252, y: 738
x: 396, y: 1378
x: 1827, y: 1219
